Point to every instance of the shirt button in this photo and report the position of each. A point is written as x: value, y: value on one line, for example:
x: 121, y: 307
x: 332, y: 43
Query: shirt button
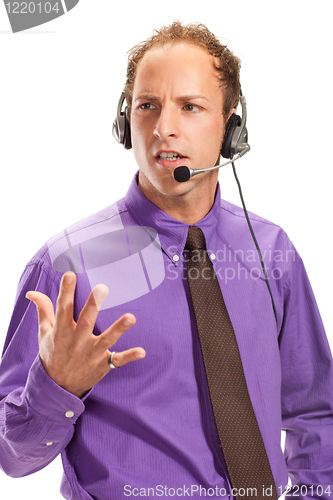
x: 213, y: 256
x: 175, y: 258
x: 49, y: 443
x: 69, y: 414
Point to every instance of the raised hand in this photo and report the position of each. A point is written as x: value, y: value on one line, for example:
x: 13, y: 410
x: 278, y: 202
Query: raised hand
x: 71, y: 354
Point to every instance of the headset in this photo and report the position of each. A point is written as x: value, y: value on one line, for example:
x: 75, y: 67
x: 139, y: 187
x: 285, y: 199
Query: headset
x: 235, y: 142
x: 121, y: 129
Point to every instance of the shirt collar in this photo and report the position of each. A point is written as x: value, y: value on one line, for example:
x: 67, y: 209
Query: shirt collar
x: 172, y: 232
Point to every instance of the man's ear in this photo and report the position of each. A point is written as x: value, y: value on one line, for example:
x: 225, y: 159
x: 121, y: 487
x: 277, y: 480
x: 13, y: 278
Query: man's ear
x: 232, y: 112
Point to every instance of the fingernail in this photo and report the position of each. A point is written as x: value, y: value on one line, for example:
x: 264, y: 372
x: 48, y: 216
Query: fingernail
x: 68, y: 277
x: 139, y: 356
x: 100, y: 292
x: 128, y: 322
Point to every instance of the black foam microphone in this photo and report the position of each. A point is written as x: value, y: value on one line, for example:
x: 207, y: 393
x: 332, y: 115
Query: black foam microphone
x: 183, y: 173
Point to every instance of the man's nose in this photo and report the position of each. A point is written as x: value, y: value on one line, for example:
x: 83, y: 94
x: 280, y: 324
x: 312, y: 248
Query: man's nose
x: 167, y: 124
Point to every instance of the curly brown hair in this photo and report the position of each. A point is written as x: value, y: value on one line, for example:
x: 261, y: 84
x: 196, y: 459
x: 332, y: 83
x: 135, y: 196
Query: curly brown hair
x: 226, y: 63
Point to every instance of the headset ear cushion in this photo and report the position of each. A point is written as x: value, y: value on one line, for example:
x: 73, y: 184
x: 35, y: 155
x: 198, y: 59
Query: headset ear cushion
x: 127, y: 141
x: 116, y: 130
x: 233, y: 122
x: 121, y: 129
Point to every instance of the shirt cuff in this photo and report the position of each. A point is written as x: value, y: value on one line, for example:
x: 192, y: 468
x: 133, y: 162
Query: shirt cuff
x: 46, y: 397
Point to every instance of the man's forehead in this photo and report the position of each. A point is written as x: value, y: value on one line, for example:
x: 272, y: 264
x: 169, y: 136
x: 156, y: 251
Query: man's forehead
x: 187, y: 63
x: 180, y: 47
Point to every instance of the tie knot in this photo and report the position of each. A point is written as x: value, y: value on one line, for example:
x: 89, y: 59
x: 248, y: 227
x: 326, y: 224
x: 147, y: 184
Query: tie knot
x: 195, y: 239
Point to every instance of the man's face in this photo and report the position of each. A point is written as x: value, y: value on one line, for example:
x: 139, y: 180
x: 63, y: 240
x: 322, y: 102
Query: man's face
x: 176, y: 110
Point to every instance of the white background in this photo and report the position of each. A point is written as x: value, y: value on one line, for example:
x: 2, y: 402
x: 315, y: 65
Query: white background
x: 59, y: 89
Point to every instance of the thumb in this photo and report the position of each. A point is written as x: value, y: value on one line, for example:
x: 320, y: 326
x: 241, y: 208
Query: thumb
x: 45, y: 310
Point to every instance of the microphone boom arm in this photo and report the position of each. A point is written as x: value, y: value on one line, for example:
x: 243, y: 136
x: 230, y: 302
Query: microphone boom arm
x: 183, y: 174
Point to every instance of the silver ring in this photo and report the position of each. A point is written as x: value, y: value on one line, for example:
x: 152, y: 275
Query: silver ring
x: 112, y: 366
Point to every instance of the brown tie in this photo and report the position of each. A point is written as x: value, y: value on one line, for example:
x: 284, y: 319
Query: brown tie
x: 241, y: 442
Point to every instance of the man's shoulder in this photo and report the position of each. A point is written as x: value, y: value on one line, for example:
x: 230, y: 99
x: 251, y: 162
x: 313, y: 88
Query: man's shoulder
x: 270, y: 233
x: 95, y: 223
x: 235, y: 211
x: 65, y: 247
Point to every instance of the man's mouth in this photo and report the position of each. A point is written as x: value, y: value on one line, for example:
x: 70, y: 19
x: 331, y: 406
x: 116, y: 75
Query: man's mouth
x: 170, y: 156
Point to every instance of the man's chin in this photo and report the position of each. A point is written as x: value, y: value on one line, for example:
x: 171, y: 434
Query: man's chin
x: 162, y: 187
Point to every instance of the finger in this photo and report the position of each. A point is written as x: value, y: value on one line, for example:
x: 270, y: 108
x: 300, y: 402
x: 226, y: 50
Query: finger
x: 122, y: 358
x: 108, y: 338
x: 88, y: 315
x: 64, y: 309
x: 44, y: 309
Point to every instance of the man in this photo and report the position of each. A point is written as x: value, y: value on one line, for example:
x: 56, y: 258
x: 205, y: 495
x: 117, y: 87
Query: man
x: 148, y: 428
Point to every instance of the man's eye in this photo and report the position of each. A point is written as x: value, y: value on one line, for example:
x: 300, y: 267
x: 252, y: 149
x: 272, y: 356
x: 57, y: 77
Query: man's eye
x: 191, y: 107
x: 147, y: 105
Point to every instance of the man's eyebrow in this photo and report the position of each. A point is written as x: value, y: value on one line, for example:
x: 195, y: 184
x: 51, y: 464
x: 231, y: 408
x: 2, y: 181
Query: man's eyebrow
x: 146, y: 95
x: 190, y: 97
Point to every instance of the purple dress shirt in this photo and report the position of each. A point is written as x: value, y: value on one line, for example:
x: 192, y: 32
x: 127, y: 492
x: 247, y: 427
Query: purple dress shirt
x: 147, y: 429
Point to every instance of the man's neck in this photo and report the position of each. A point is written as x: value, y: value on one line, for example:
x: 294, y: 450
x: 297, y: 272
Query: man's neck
x: 189, y: 208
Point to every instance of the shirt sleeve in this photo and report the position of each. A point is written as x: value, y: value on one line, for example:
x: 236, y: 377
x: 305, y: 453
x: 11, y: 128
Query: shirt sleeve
x: 307, y: 390
x: 37, y: 416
